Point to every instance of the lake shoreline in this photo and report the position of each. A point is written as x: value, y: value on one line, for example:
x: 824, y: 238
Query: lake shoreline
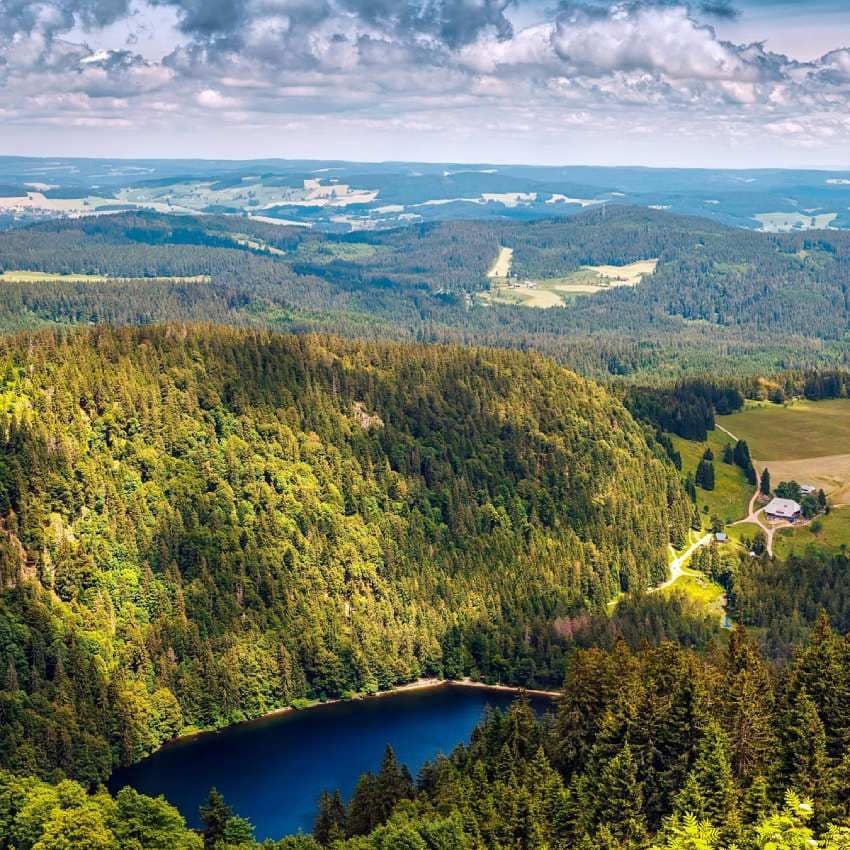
x: 421, y: 684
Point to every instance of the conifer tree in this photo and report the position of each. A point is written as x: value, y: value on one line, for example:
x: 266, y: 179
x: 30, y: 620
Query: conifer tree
x: 704, y: 476
x: 619, y: 804
x: 215, y: 816
x: 330, y: 821
x: 804, y: 759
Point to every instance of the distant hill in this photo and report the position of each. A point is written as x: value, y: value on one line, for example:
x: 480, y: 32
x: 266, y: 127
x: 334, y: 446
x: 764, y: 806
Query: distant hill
x: 721, y: 299
x: 344, y: 196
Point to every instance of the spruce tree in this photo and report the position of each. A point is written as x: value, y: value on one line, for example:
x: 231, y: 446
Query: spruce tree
x: 215, y: 816
x: 620, y: 799
x: 705, y: 475
x: 804, y: 763
x: 330, y: 821
x: 764, y: 483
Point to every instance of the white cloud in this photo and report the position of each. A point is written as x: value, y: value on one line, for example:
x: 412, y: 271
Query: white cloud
x: 212, y: 99
x: 626, y: 67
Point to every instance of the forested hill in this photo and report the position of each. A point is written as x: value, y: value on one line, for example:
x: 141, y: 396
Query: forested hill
x: 200, y: 525
x: 721, y: 300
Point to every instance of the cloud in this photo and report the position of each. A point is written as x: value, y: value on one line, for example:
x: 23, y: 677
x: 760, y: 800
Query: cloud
x: 662, y: 39
x: 624, y: 66
x: 212, y: 99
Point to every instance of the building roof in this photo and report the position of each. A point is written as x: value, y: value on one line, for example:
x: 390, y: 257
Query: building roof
x: 807, y: 488
x: 785, y: 508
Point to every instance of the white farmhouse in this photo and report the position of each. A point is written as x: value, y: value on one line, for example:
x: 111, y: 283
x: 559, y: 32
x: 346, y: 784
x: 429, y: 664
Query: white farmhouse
x: 786, y: 509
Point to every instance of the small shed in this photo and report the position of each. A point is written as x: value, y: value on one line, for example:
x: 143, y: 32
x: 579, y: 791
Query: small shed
x: 721, y: 537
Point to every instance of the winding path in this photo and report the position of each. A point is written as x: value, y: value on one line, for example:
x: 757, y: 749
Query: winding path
x: 679, y: 561
x: 753, y: 516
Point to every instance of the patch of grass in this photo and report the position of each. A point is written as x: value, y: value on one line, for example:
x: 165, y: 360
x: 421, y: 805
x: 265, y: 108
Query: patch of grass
x: 327, y: 252
x: 731, y: 495
x: 748, y: 530
x: 802, y: 429
x: 831, y: 531
x: 702, y: 591
x: 24, y: 276
x: 559, y: 291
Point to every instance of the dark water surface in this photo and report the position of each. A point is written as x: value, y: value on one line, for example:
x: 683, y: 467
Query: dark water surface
x: 273, y: 770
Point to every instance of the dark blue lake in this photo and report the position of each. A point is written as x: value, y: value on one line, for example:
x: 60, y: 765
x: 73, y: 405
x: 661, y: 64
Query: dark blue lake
x: 272, y: 771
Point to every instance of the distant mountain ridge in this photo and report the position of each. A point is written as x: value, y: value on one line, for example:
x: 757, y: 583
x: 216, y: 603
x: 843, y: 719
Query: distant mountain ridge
x: 342, y: 196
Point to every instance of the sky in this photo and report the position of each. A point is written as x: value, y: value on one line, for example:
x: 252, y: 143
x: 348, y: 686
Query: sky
x: 711, y: 83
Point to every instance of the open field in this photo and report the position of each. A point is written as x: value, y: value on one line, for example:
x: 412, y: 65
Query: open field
x: 784, y: 222
x: 557, y: 291
x: 326, y: 252
x: 730, y: 498
x: 833, y: 533
x: 628, y: 275
x: 804, y: 429
x: 706, y: 594
x: 747, y: 530
x: 806, y: 441
x: 48, y: 277
x: 830, y: 473
x: 501, y: 268
x: 24, y: 276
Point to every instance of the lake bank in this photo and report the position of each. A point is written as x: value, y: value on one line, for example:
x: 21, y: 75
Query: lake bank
x: 425, y: 683
x: 273, y: 770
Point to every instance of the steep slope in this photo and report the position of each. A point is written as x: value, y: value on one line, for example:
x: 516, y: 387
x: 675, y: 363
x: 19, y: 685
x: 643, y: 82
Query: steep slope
x: 202, y: 525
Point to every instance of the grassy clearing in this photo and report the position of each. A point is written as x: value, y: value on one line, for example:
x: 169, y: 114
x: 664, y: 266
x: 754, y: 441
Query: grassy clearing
x: 628, y: 275
x: 558, y: 291
x: 731, y: 495
x: 802, y: 429
x: 833, y: 534
x: 501, y: 267
x: 784, y: 222
x: 803, y: 441
x: 327, y: 252
x: 737, y: 533
x: 23, y: 276
x: 702, y: 591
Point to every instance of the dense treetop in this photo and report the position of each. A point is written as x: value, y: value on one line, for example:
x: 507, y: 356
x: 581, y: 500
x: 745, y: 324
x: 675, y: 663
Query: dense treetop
x: 204, y: 524
x: 721, y: 300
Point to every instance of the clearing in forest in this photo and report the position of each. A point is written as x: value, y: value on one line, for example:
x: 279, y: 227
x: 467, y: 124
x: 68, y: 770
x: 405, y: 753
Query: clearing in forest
x: 804, y: 441
x: 556, y: 292
x: 786, y: 222
x: 831, y: 531
x: 501, y: 268
x: 730, y: 498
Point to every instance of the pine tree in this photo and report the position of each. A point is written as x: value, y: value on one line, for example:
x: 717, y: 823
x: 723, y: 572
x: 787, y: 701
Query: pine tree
x: 748, y: 710
x: 704, y: 476
x: 619, y: 804
x: 330, y: 821
x: 764, y: 483
x: 215, y: 816
x: 804, y: 763
x: 360, y: 818
x: 741, y: 455
x: 392, y: 784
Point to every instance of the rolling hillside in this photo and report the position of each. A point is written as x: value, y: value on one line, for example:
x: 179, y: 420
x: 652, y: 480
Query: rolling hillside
x: 202, y: 525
